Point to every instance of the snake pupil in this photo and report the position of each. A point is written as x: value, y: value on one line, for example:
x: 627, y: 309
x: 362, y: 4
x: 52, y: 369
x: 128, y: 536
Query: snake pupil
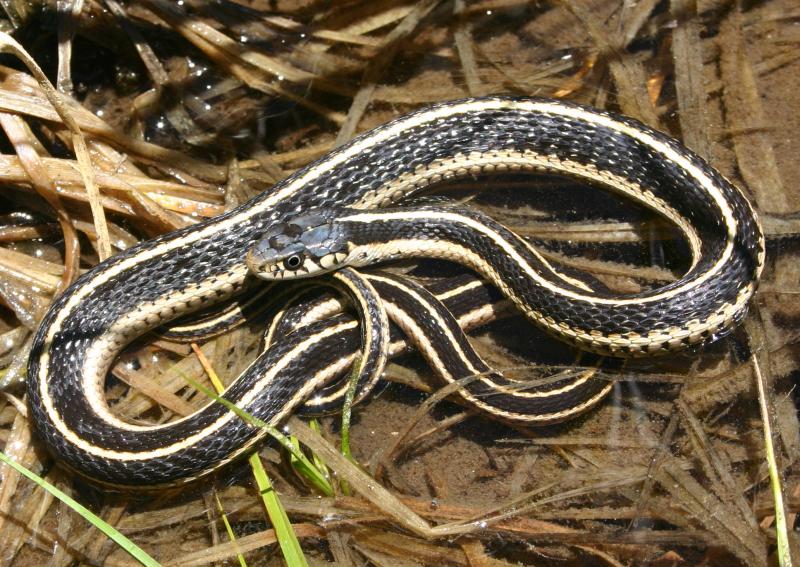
x: 293, y: 262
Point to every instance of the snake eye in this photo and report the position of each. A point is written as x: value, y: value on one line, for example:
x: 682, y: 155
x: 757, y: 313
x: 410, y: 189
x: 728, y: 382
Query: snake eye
x: 294, y: 262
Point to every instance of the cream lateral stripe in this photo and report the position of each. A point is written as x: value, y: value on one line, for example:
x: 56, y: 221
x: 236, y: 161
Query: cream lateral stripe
x: 541, y: 418
x: 662, y: 148
x: 409, y: 324
x: 357, y: 148
x: 402, y: 319
x: 466, y: 321
x: 101, y: 353
x: 477, y: 162
x: 235, y: 312
x: 243, y: 402
x: 395, y: 130
x: 501, y: 243
x: 317, y: 312
x: 280, y: 315
x: 346, y: 280
x: 309, y: 386
x: 231, y: 311
x: 453, y: 292
x: 452, y: 341
x: 269, y: 336
x: 322, y: 311
x: 529, y: 392
x: 351, y: 279
x: 612, y: 343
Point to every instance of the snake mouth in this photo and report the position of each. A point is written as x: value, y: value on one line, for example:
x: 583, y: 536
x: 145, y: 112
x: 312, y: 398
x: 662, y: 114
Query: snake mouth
x: 294, y: 266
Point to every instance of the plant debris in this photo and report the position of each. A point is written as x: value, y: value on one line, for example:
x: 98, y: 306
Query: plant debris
x: 166, y: 113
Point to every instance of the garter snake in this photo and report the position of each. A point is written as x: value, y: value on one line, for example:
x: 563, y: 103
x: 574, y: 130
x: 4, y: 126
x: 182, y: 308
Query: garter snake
x: 190, y: 269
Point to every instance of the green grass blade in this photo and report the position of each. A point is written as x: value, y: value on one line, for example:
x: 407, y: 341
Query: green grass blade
x: 290, y: 546
x: 347, y: 407
x: 781, y: 531
x: 134, y: 550
x: 311, y: 472
x: 347, y: 412
x: 284, y: 533
x: 319, y: 463
x: 229, y: 529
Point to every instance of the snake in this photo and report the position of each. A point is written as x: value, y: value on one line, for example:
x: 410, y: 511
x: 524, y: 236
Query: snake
x: 202, y: 265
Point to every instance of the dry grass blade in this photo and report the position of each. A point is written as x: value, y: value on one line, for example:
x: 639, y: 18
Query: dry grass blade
x: 69, y: 13
x: 629, y: 74
x: 373, y: 72
x: 656, y: 461
x: 464, y: 46
x: 746, y: 120
x: 243, y: 544
x: 687, y: 57
x: 19, y: 448
x: 189, y: 109
x: 247, y: 64
x: 721, y: 480
x: 358, y: 480
x: 20, y: 94
x: 26, y: 148
x: 633, y: 18
x: 713, y: 514
x: 62, y: 107
x: 154, y: 391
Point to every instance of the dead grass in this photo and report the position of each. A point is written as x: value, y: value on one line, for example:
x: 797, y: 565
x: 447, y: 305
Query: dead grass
x: 167, y: 113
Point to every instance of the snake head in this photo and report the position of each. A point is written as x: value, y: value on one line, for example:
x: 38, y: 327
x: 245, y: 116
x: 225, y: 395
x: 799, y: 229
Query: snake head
x: 300, y: 246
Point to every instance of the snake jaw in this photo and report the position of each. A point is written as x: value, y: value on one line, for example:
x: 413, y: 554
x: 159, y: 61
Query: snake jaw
x: 301, y: 246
